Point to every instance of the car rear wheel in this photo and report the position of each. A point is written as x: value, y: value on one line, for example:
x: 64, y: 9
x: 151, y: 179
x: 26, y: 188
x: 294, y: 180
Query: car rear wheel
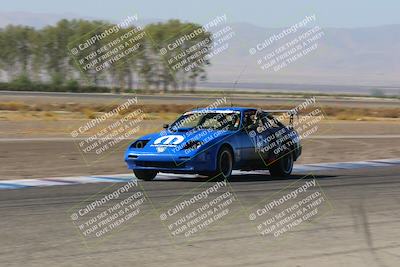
x: 224, y: 164
x: 283, y: 166
x: 145, y: 175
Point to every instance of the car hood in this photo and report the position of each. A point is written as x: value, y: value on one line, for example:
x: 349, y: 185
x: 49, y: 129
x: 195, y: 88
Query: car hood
x: 174, y: 142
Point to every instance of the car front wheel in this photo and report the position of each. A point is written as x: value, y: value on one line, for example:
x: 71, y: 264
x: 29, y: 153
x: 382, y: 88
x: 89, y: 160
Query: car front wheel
x: 224, y: 164
x: 145, y: 175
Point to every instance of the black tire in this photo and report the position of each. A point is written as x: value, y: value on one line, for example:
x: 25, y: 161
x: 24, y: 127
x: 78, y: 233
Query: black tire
x: 224, y: 164
x: 145, y: 175
x: 282, y: 167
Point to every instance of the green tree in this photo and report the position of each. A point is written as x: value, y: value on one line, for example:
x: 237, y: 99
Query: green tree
x: 27, y: 54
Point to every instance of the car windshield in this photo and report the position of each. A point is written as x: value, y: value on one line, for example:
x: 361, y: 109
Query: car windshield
x: 229, y: 121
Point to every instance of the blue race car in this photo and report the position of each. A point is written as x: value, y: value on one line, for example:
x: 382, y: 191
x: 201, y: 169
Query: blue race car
x: 215, y: 141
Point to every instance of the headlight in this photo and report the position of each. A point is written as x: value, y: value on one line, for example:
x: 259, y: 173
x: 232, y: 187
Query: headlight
x: 139, y: 144
x: 192, y: 145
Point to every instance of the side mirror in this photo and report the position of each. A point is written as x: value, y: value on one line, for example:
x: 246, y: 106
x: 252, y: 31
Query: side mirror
x: 165, y: 126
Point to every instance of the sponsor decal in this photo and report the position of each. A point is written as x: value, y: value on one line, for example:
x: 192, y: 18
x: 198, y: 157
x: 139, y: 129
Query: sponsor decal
x: 169, y: 140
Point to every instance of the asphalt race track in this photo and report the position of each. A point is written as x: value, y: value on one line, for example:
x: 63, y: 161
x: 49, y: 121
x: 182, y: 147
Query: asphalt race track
x: 361, y: 225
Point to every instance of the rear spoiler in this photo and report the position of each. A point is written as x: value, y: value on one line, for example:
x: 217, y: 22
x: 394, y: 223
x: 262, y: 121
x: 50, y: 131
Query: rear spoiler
x: 290, y: 112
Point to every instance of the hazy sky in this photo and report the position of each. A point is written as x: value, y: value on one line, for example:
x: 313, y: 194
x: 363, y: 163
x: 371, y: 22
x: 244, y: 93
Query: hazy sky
x: 337, y: 13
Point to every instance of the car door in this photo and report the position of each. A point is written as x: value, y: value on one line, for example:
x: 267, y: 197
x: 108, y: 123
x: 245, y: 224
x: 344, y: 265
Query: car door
x: 261, y: 135
x: 272, y: 134
x: 246, y: 141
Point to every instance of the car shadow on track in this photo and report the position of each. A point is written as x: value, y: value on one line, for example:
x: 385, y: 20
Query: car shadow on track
x: 248, y: 178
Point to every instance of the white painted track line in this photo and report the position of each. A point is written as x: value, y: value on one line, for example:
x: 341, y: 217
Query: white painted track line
x: 115, y: 178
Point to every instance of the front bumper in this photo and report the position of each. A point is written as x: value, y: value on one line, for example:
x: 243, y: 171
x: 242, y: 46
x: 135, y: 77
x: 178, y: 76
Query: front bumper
x: 173, y: 163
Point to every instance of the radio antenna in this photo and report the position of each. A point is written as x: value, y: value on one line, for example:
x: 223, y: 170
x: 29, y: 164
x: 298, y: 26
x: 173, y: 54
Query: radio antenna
x: 237, y: 80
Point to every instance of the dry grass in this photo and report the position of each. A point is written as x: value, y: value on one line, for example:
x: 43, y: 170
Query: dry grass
x: 14, y: 106
x: 361, y: 113
x: 169, y: 112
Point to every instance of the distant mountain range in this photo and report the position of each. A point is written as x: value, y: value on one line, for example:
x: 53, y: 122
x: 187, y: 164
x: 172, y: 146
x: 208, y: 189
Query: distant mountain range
x: 360, y: 56
x: 348, y: 57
